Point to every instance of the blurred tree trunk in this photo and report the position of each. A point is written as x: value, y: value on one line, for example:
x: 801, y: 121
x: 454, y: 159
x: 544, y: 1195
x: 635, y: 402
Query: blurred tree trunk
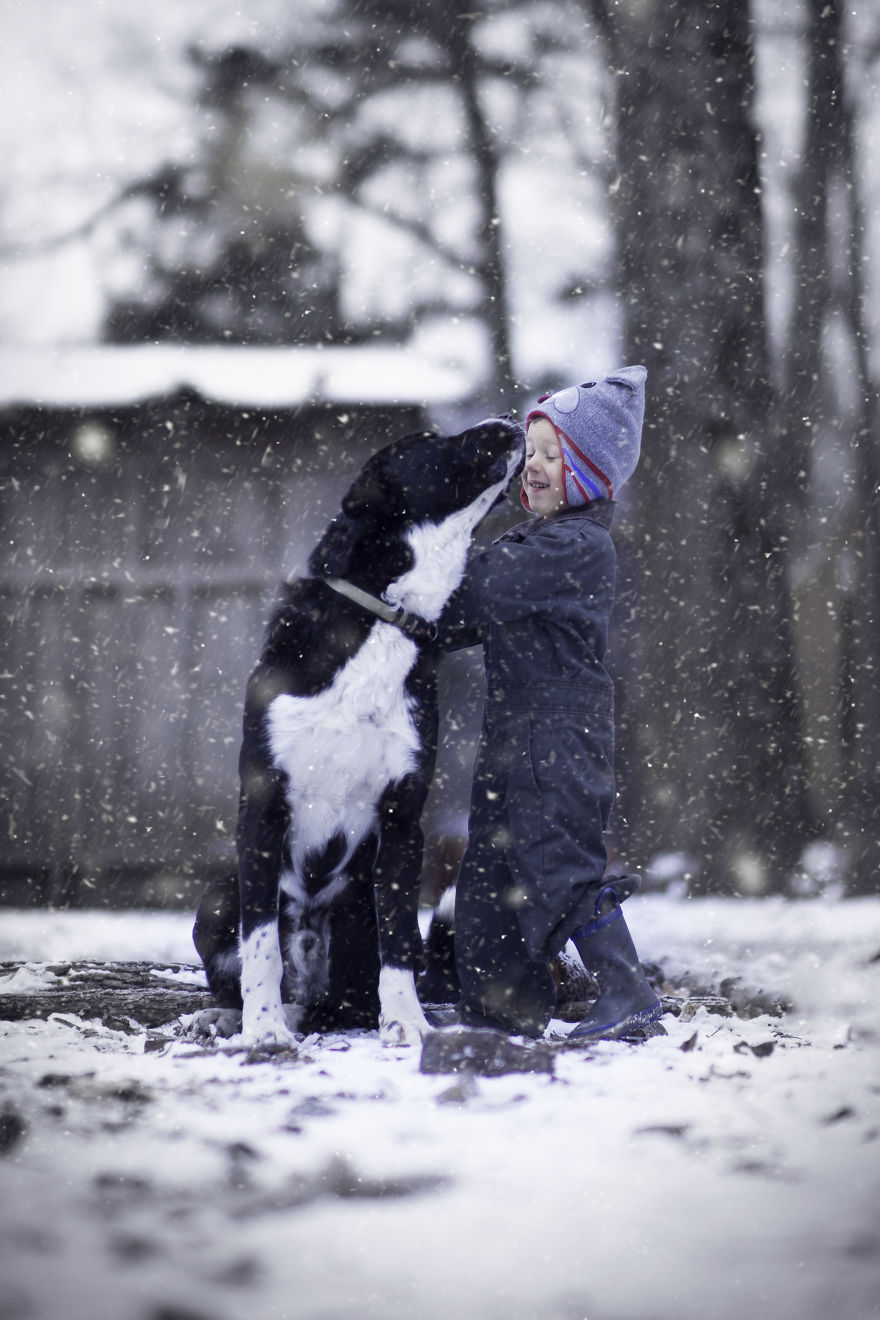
x: 461, y: 65
x: 713, y: 727
x: 501, y: 383
x: 829, y: 278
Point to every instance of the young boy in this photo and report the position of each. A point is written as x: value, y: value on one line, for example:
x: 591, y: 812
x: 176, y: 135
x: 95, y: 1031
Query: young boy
x: 539, y: 600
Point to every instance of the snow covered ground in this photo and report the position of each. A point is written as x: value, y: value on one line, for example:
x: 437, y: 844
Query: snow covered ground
x: 728, y: 1169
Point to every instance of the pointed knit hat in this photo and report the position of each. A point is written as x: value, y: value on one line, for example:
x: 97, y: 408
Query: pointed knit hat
x: 599, y: 425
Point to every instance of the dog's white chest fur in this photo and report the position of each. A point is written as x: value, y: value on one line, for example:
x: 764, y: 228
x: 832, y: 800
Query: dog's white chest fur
x: 439, y: 556
x: 341, y: 747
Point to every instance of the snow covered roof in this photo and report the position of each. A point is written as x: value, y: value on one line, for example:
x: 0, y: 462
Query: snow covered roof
x: 104, y: 375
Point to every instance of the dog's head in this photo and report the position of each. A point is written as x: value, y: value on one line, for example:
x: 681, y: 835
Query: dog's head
x: 418, y: 480
x: 426, y: 477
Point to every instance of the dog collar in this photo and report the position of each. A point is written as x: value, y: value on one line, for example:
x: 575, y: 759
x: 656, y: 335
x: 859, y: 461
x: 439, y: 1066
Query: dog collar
x: 413, y: 625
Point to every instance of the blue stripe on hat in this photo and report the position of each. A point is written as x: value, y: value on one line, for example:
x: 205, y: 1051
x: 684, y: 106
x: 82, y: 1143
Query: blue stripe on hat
x: 598, y: 492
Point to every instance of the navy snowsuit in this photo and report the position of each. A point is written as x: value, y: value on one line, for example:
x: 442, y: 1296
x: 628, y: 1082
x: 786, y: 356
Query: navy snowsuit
x: 539, y: 600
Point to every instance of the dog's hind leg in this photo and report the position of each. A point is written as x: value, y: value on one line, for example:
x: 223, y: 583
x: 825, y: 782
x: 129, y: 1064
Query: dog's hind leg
x: 396, y: 890
x: 212, y: 1024
x: 439, y: 983
x: 215, y: 936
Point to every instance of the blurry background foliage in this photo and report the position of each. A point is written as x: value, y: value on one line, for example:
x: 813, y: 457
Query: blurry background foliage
x: 539, y: 190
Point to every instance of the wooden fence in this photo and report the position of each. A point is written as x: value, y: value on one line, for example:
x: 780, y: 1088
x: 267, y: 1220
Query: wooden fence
x: 141, y: 548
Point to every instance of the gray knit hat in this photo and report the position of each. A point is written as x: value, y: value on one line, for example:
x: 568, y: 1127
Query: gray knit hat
x: 599, y: 425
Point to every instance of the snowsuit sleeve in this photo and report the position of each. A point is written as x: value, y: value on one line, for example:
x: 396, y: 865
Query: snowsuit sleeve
x: 513, y: 580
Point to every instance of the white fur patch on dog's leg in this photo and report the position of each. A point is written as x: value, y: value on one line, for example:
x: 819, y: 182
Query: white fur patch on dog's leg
x: 401, y: 1020
x: 262, y: 1019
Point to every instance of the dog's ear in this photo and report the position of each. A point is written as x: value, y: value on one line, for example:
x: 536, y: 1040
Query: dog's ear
x: 376, y: 490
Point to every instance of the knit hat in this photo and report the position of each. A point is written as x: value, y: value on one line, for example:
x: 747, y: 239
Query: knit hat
x: 599, y: 425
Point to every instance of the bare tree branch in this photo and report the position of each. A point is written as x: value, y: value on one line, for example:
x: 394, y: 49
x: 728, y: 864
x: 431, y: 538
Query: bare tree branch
x: 164, y: 185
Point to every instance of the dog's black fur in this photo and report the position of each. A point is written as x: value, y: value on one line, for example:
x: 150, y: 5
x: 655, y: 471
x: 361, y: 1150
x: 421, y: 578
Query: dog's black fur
x: 339, y: 740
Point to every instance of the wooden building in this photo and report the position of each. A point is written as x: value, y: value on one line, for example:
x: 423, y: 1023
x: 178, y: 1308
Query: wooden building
x: 151, y: 499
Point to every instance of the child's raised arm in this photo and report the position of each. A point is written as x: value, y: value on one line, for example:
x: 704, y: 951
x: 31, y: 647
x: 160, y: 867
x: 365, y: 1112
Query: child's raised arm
x: 513, y: 579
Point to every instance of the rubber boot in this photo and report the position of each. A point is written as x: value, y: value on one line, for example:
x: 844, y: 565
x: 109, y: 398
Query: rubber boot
x: 626, y: 1000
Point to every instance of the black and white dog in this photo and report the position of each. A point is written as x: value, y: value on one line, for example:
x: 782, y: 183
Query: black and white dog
x: 319, y: 929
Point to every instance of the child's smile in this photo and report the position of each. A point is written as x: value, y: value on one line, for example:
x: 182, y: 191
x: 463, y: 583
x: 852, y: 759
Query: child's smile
x: 543, y: 478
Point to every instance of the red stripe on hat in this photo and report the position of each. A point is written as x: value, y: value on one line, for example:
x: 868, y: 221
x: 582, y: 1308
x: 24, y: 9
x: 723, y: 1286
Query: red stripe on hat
x: 587, y: 494
x: 586, y: 462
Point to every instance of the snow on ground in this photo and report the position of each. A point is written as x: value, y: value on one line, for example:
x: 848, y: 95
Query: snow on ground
x: 729, y: 1169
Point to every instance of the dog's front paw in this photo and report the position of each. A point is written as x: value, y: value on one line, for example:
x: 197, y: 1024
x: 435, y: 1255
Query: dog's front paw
x: 393, y: 1031
x: 401, y: 1020
x: 212, y: 1024
x: 274, y: 1038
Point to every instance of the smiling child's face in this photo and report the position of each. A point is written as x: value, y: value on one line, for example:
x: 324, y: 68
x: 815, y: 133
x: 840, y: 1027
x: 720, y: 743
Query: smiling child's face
x: 543, y: 479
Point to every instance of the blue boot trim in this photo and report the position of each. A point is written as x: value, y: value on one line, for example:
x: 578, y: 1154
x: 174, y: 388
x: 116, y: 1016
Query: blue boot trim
x: 618, y: 891
x: 614, y: 1030
x: 600, y: 922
